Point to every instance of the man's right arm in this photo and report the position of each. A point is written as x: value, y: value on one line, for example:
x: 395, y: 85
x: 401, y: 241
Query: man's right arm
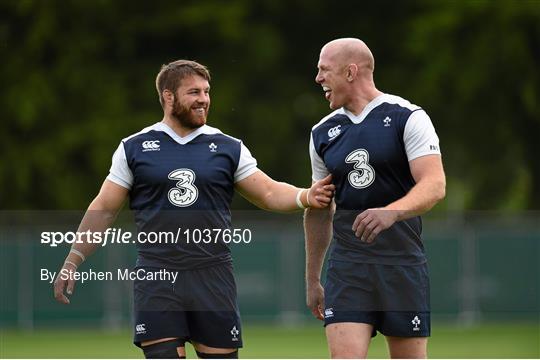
x: 98, y: 217
x: 318, y: 232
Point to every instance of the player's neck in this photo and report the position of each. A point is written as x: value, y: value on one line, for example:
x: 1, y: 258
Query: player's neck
x: 182, y: 131
x: 359, y: 102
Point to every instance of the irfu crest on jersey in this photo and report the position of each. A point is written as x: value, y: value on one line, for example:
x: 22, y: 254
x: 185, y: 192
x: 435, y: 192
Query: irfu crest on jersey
x: 363, y: 174
x: 185, y: 193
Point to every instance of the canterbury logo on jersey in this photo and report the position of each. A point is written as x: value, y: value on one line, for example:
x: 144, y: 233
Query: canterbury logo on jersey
x: 328, y: 313
x: 334, y: 132
x: 150, y: 145
x: 140, y: 328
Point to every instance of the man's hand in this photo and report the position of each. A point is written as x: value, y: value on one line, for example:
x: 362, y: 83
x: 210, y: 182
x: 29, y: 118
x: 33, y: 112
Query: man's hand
x: 315, y: 299
x: 321, y: 193
x: 60, y: 284
x: 371, y: 222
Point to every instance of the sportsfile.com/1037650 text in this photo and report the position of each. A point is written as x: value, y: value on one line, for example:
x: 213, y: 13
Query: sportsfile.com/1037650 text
x: 119, y: 236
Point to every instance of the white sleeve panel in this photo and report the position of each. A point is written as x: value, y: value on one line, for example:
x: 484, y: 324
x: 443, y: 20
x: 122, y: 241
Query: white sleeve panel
x: 419, y: 136
x: 247, y: 165
x: 120, y: 173
x: 318, y: 169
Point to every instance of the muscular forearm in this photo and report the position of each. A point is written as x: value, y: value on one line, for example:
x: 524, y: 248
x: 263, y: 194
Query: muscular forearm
x: 100, y: 215
x: 96, y: 219
x: 281, y: 197
x: 318, y: 231
x: 420, y: 199
x: 273, y: 195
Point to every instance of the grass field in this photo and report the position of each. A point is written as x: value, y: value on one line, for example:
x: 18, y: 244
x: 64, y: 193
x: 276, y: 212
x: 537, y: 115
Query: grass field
x: 487, y: 341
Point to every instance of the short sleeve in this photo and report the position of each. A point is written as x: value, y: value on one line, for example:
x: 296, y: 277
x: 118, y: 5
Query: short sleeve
x: 318, y: 169
x: 419, y: 136
x: 247, y: 165
x: 120, y: 173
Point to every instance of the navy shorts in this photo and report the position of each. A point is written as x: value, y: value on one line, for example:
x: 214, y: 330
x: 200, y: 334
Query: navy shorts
x: 392, y: 298
x: 200, y: 306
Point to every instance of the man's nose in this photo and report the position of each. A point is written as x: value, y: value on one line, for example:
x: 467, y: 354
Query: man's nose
x: 318, y: 78
x: 203, y: 98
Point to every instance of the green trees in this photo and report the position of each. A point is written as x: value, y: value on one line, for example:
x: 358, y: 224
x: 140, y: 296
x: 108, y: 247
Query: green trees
x: 478, y: 76
x: 78, y: 76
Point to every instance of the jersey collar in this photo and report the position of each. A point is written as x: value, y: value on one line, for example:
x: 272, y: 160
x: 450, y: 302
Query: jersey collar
x: 205, y: 129
x: 357, y: 119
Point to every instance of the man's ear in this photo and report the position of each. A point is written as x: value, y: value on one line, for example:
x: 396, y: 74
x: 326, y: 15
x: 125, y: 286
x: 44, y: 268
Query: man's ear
x: 168, y: 97
x: 352, y: 72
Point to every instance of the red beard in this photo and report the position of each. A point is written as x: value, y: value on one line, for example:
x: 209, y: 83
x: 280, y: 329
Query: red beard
x: 186, y: 118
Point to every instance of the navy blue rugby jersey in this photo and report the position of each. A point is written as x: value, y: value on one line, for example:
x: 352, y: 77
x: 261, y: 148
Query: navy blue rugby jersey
x: 368, y: 156
x: 184, y: 183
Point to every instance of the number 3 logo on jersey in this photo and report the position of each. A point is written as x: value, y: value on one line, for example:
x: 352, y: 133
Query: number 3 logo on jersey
x: 363, y: 174
x: 185, y: 193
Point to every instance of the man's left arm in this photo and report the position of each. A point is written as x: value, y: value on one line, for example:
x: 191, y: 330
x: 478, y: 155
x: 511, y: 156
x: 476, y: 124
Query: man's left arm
x: 430, y: 188
x: 268, y: 194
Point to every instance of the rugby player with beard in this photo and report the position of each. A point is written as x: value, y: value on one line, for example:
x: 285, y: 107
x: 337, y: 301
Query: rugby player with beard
x: 182, y: 173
